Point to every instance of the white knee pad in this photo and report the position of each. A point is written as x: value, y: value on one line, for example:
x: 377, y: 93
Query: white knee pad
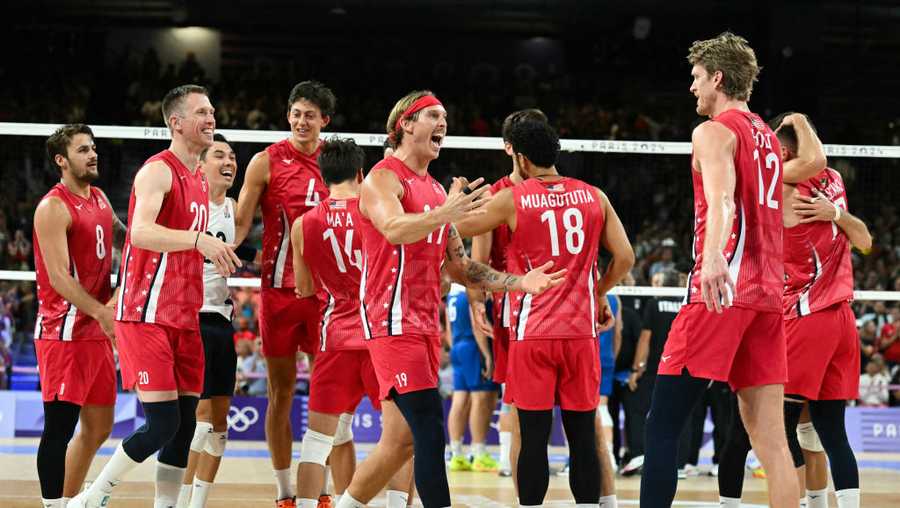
x: 344, y: 432
x: 201, y: 433
x: 505, y: 408
x: 316, y: 447
x: 603, y: 414
x: 215, y: 443
x: 809, y: 438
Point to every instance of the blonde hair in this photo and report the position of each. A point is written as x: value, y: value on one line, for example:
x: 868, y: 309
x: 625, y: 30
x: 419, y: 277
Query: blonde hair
x: 395, y: 136
x: 732, y: 55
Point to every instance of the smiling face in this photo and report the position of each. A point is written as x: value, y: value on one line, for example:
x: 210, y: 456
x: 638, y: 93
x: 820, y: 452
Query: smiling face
x: 81, y: 159
x: 219, y: 165
x: 195, y: 120
x: 705, y: 88
x: 426, y: 133
x: 306, y: 121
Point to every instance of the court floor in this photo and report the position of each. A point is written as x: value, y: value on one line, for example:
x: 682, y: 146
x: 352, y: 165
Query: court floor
x: 245, y: 480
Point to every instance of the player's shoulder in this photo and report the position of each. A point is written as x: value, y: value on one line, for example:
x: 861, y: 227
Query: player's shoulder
x: 711, y: 128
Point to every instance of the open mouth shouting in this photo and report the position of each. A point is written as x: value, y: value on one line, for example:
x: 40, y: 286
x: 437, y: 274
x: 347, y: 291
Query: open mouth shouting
x: 436, y: 141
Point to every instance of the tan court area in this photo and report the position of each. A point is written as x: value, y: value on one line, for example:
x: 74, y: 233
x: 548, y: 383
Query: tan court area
x: 248, y: 482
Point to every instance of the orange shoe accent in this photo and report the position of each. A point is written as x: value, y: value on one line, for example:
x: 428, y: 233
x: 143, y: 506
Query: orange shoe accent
x: 324, y: 501
x: 288, y: 502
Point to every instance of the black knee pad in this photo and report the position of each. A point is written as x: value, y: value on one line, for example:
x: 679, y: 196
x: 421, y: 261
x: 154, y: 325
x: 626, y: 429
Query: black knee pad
x: 175, y: 452
x: 828, y: 418
x: 161, y: 425
x: 792, y: 412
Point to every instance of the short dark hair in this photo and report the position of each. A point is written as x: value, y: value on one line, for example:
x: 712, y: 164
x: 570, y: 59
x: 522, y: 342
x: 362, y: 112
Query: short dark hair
x: 175, y: 97
x: 316, y: 93
x: 787, y: 135
x: 671, y: 278
x: 216, y: 137
x: 58, y: 142
x: 340, y: 160
x: 536, y: 140
x: 517, y: 116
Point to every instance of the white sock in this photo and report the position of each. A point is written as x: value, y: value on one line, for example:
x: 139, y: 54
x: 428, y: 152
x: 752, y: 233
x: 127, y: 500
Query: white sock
x: 608, y: 501
x: 396, y: 499
x: 817, y: 498
x: 66, y: 501
x: 847, y: 498
x: 478, y: 449
x: 803, y: 502
x: 168, y: 484
x: 201, y: 492
x: 184, y: 496
x: 729, y: 502
x: 325, y: 484
x: 119, y: 464
x: 587, y: 505
x: 305, y: 502
x: 456, y: 448
x: 283, y: 482
x: 347, y: 501
x: 505, y: 444
x: 53, y: 503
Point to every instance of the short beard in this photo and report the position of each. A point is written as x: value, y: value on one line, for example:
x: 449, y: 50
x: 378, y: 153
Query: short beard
x: 87, y: 177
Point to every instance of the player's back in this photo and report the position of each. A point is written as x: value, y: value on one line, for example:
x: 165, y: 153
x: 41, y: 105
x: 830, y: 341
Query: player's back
x: 166, y: 288
x: 754, y: 248
x: 295, y: 187
x: 817, y: 265
x: 89, y: 242
x: 332, y: 248
x: 458, y: 314
x: 559, y: 221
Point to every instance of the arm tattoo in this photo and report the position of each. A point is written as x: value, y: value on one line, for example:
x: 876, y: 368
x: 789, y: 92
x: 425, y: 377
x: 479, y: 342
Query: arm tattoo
x: 482, y: 275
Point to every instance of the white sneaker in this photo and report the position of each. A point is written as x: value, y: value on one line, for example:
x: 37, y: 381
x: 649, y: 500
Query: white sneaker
x: 87, y: 500
x: 691, y: 470
x: 714, y: 470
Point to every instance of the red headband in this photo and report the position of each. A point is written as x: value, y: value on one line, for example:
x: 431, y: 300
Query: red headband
x: 420, y: 104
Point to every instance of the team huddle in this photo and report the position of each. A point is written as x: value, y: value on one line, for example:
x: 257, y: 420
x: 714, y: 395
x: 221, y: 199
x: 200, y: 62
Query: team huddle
x: 354, y: 269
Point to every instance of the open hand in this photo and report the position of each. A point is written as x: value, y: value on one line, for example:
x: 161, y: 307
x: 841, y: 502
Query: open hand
x: 715, y: 282
x: 538, y: 280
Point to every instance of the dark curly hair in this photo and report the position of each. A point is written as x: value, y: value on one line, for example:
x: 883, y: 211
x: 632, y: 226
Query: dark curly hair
x: 535, y: 140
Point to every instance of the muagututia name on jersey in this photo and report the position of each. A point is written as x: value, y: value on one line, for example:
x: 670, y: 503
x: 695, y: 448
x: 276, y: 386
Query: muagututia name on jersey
x: 550, y: 200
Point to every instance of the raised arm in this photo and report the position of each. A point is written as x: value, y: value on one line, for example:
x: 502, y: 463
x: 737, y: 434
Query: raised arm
x: 499, y: 209
x: 380, y: 197
x: 51, y: 222
x: 810, y: 159
x: 304, y: 284
x: 256, y: 178
x: 151, y: 184
x: 713, y: 147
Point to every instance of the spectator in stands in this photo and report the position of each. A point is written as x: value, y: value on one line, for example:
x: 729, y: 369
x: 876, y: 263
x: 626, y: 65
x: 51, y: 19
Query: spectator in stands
x: 243, y: 332
x: 5, y: 367
x: 19, y: 252
x: 873, y: 385
x: 667, y: 258
x: 4, y: 238
x: 867, y: 340
x: 888, y: 343
x: 253, y: 367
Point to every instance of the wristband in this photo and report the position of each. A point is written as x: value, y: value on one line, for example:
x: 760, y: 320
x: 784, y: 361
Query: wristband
x: 837, y: 212
x: 197, y: 238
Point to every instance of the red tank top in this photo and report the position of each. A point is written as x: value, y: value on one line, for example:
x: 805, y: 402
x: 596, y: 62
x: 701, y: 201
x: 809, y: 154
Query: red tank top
x: 401, y: 284
x: 295, y: 187
x: 89, y: 240
x: 817, y: 265
x: 557, y: 221
x: 501, y: 237
x: 332, y: 248
x: 166, y: 288
x: 754, y: 248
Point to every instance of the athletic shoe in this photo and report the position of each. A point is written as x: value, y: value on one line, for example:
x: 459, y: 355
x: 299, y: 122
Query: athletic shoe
x: 564, y: 471
x: 682, y: 474
x: 691, y: 470
x: 634, y: 466
x: 324, y: 501
x: 505, y: 473
x: 460, y: 463
x: 87, y: 500
x: 484, y: 463
x: 288, y: 502
x: 714, y: 470
x: 759, y: 472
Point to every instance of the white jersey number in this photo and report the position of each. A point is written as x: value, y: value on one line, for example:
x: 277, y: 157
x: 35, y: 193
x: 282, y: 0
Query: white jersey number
x: 573, y: 222
x: 354, y: 257
x: 200, y: 217
x: 312, y: 197
x: 440, y: 231
x: 101, y: 246
x: 772, y: 163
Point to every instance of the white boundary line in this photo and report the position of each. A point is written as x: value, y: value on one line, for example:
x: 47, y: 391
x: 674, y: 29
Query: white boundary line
x: 469, y: 142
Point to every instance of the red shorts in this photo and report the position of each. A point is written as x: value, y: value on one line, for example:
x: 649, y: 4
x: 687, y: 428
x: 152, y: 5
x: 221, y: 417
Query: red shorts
x: 287, y: 323
x: 339, y: 381
x: 406, y: 363
x: 742, y: 346
x: 82, y: 372
x: 823, y: 354
x: 155, y: 357
x: 500, y: 347
x: 546, y: 372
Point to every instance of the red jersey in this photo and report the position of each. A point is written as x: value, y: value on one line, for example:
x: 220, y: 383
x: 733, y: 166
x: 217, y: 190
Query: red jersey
x: 166, y: 288
x: 557, y: 221
x: 332, y: 248
x: 400, y: 291
x: 501, y: 237
x: 818, y: 271
x: 754, y: 248
x: 295, y: 187
x: 89, y: 240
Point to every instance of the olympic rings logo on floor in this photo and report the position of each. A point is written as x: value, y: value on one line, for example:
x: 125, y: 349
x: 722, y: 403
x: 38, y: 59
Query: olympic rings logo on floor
x: 241, y: 419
